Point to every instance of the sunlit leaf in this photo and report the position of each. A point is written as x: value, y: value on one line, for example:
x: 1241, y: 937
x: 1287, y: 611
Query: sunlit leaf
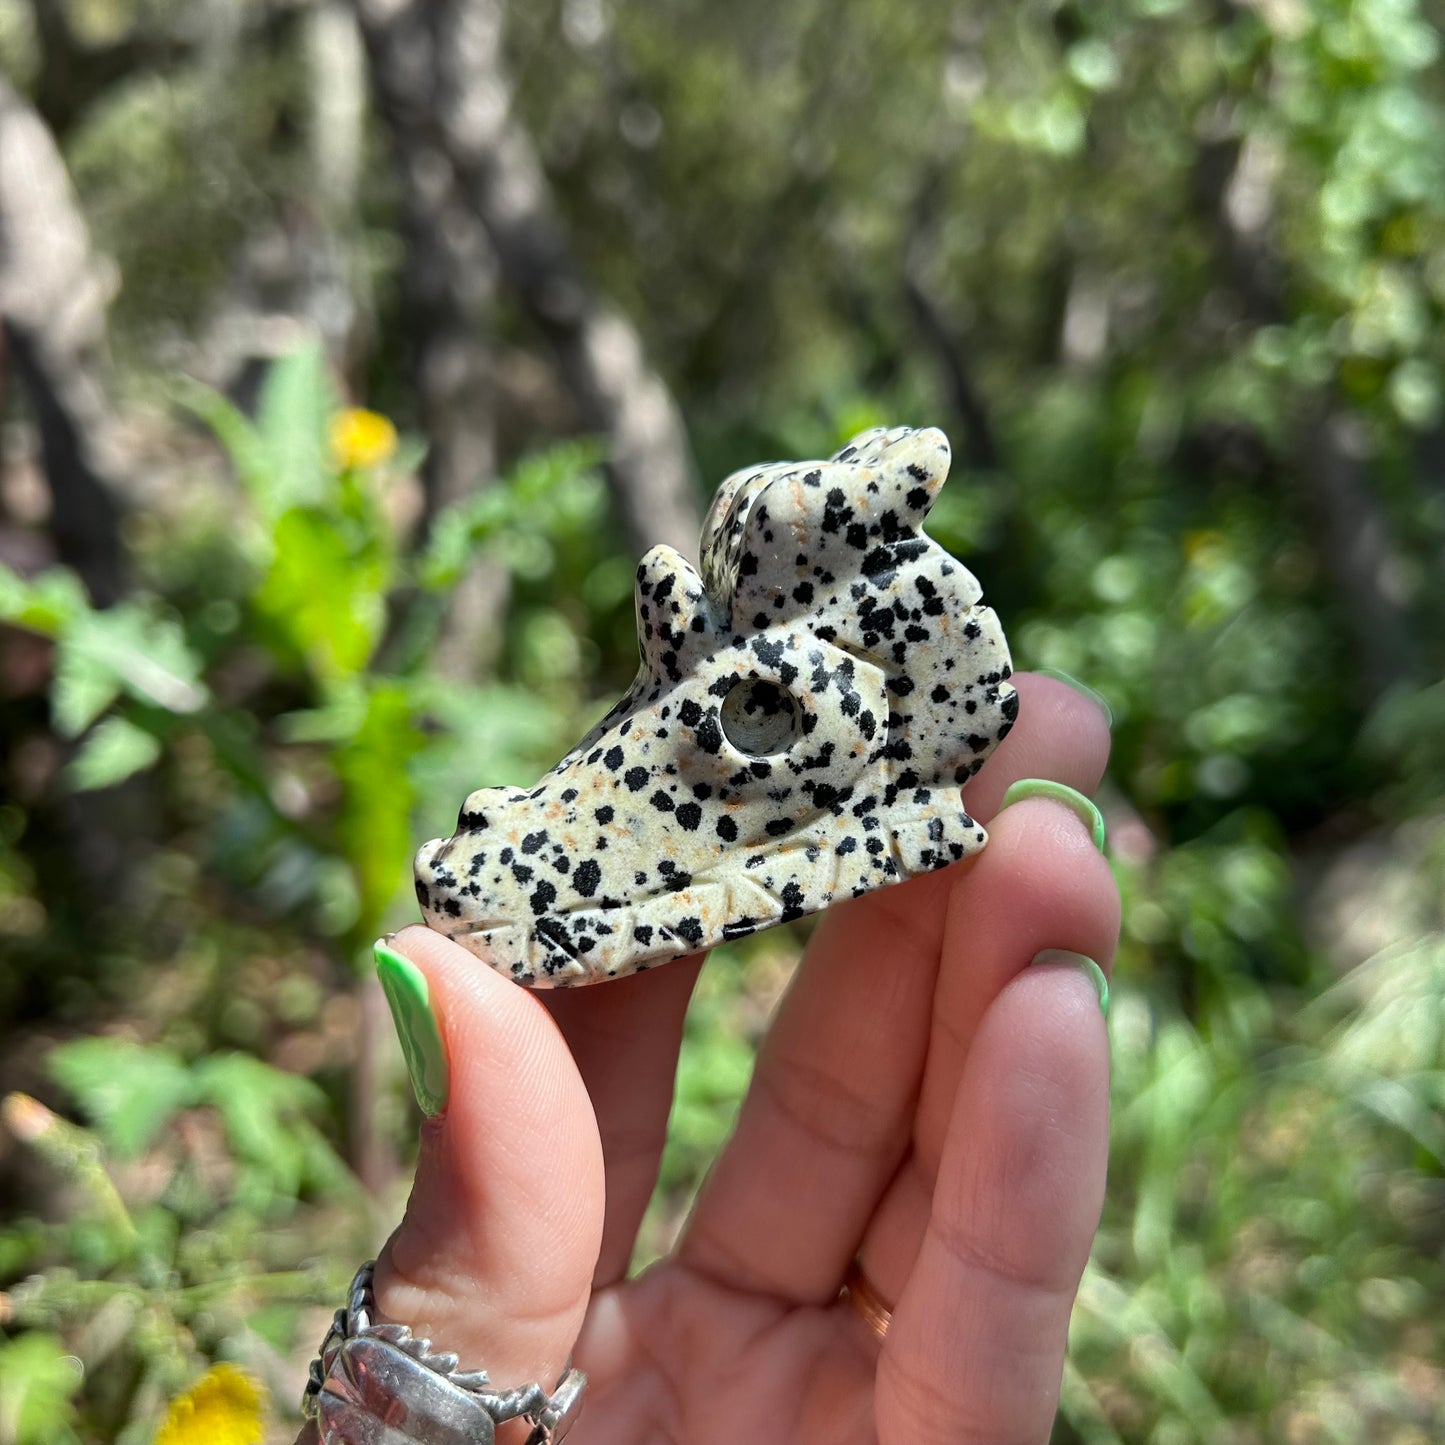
x: 375, y: 823
x: 321, y: 593
x: 39, y: 1379
x: 116, y: 749
x: 47, y: 603
x: 128, y: 1090
x: 297, y: 402
x: 129, y: 648
x: 267, y: 1114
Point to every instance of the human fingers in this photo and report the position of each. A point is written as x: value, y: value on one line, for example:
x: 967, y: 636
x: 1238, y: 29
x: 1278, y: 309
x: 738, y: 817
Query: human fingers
x: 1041, y: 884
x: 975, y: 1348
x: 1061, y: 734
x: 624, y: 1036
x: 494, y: 1257
x: 828, y: 1116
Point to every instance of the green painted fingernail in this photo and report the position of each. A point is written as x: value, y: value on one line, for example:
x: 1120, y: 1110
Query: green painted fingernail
x: 406, y: 991
x: 1062, y: 793
x: 1097, y: 698
x: 1086, y: 965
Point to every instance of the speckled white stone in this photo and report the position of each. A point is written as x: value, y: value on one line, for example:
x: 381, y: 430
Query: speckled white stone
x: 805, y: 713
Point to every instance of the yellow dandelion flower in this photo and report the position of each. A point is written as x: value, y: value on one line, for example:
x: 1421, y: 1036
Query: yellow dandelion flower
x: 223, y: 1407
x: 361, y: 438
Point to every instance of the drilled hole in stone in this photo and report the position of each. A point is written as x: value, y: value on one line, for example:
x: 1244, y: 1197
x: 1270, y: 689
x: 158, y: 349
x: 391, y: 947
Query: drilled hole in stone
x: 760, y: 717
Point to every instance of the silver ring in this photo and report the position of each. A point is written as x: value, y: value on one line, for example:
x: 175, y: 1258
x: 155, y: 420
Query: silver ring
x: 373, y: 1384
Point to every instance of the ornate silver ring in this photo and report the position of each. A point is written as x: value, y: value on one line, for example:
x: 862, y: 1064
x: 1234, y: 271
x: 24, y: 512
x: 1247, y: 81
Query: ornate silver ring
x: 374, y: 1384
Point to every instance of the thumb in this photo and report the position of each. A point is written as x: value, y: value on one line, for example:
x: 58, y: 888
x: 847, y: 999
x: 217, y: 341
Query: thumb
x: 495, y: 1255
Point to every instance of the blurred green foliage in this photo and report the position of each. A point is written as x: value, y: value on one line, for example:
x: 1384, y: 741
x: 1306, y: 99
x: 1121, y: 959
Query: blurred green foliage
x: 1167, y: 271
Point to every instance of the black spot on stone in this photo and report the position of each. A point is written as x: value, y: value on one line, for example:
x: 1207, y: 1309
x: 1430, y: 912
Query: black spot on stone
x: 689, y: 815
x: 533, y: 841
x: 636, y: 779
x: 792, y: 901
x: 587, y: 877
x: 727, y: 830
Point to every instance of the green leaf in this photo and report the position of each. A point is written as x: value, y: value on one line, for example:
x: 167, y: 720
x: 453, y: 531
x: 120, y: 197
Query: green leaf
x: 83, y: 687
x: 116, y: 749
x: 47, y: 603
x: 296, y: 403
x: 523, y: 501
x: 325, y: 595
x: 375, y: 827
x: 243, y: 444
x: 129, y: 1090
x: 281, y: 458
x: 267, y: 1114
x: 124, y: 648
x: 39, y: 1378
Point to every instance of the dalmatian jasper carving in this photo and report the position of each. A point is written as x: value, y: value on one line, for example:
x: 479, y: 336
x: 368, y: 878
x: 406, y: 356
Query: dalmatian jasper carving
x: 806, y: 710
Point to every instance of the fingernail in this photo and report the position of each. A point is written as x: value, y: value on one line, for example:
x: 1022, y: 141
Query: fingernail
x: 1097, y: 698
x: 1060, y: 792
x: 1085, y: 964
x: 406, y: 991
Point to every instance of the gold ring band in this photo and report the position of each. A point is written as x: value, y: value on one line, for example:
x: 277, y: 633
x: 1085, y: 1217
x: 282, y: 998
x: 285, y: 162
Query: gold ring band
x: 866, y: 1301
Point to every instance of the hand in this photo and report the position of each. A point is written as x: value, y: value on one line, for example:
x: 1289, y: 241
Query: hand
x: 925, y: 1101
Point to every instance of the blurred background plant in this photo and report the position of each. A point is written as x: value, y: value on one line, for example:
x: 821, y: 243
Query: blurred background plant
x: 1170, y: 273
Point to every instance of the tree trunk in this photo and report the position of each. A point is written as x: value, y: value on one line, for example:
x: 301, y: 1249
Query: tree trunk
x: 53, y: 295
x: 460, y: 102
